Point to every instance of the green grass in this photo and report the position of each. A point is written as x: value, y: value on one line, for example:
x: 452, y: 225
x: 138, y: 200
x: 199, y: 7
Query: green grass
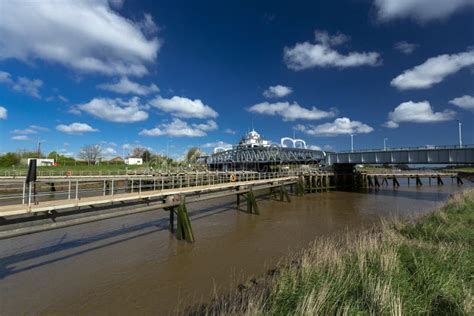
x: 461, y: 169
x: 402, y: 267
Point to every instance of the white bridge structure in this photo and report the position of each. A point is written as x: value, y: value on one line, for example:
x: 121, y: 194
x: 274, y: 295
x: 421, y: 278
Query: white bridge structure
x: 293, y: 141
x: 413, y: 155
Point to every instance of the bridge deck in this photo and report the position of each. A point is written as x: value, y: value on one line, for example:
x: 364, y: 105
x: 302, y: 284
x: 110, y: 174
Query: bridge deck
x: 18, y: 209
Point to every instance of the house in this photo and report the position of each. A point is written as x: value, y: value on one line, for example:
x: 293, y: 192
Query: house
x: 41, y: 162
x: 116, y: 159
x: 133, y: 161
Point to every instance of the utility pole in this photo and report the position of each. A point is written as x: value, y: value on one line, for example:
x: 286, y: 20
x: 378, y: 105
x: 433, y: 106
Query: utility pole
x: 352, y: 142
x: 460, y: 133
x: 385, y: 143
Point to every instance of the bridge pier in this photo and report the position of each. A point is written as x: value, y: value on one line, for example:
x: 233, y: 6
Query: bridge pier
x: 395, y: 182
x: 459, y: 180
x: 252, y: 206
x: 418, y: 181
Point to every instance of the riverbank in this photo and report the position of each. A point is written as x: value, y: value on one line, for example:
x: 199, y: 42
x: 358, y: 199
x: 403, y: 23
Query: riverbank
x: 422, y: 266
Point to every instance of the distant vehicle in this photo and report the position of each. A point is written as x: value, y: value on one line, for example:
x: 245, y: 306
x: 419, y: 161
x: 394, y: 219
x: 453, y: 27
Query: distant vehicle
x: 42, y: 162
x: 133, y: 161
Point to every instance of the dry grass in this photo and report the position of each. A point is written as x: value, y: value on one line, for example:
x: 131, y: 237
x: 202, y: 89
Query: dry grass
x: 416, y: 267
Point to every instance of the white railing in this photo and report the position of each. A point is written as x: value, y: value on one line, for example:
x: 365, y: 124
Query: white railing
x: 19, y: 192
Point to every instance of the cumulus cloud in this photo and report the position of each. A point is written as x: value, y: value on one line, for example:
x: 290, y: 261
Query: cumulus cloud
x: 421, y: 10
x: 340, y: 126
x: 219, y: 143
x: 179, y: 128
x: 465, y: 102
x: 322, y: 54
x: 416, y: 112
x: 230, y: 131
x: 184, y: 107
x: 20, y: 137
x: 32, y: 129
x: 405, y: 47
x: 114, y: 110
x: 21, y: 84
x: 86, y: 35
x: 76, y: 128
x: 3, y: 113
x: 126, y: 86
x: 433, y: 71
x: 290, y: 111
x: 277, y: 91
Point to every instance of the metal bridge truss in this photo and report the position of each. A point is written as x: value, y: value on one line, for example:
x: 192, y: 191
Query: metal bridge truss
x: 265, y: 155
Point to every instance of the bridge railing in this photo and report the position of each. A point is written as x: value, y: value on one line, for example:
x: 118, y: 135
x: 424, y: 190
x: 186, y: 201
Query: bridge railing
x: 402, y: 149
x: 44, y: 190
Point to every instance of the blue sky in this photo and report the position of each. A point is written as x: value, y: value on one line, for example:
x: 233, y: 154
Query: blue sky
x: 174, y: 74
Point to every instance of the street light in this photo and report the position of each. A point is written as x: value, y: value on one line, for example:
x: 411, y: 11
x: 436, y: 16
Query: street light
x: 385, y: 143
x: 352, y: 142
x: 460, y: 133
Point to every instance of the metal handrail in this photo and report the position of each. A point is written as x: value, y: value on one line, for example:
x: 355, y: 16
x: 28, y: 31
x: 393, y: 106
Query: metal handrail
x: 402, y: 149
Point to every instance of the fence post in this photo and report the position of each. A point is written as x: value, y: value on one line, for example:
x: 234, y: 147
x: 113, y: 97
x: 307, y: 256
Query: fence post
x: 69, y: 190
x: 77, y: 190
x: 24, y: 192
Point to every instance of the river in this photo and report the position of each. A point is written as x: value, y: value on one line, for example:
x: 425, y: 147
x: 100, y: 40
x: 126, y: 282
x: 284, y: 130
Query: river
x: 132, y: 265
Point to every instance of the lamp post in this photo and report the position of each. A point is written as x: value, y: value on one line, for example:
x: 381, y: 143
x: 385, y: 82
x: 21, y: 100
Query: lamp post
x: 352, y: 142
x: 460, y: 133
x: 385, y: 143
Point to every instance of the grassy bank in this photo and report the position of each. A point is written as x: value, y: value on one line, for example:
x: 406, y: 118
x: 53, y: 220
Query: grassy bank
x: 403, y: 267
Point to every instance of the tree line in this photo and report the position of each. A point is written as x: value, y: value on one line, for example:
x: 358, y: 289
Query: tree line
x: 93, y: 154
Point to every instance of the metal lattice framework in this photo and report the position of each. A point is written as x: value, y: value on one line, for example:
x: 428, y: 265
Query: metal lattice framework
x: 266, y: 155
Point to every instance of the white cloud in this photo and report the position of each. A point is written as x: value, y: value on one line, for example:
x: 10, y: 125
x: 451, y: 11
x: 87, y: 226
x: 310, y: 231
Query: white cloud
x: 314, y: 147
x: 109, y: 151
x: 290, y: 112
x: 465, y: 102
x: 340, y: 126
x: 230, y: 131
x: 117, y: 4
x: 126, y: 86
x: 421, y: 10
x: 179, y: 128
x: 416, y: 112
x: 219, y: 143
x: 277, y: 91
x: 3, y: 113
x: 184, y: 107
x: 321, y: 54
x: 22, y: 84
x: 405, y: 47
x: 86, y: 35
x: 32, y: 129
x: 433, y: 71
x: 114, y: 110
x: 20, y: 137
x: 76, y: 128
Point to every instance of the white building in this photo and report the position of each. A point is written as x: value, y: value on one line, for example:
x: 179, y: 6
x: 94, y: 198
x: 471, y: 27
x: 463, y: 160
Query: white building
x: 41, y: 162
x: 133, y: 161
x: 253, y: 139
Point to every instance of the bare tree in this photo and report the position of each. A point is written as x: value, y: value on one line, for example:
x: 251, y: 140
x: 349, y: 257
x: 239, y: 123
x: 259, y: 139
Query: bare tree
x: 90, y: 153
x: 138, y: 151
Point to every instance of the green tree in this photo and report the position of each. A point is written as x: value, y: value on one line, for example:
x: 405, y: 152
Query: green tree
x: 193, y: 154
x: 9, y: 159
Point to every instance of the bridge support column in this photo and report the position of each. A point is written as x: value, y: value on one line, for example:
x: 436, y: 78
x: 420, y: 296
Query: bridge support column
x: 370, y: 183
x: 184, y: 229
x: 252, y: 206
x: 376, y: 182
x: 300, y: 186
x: 418, y: 181
x: 284, y: 194
x: 395, y: 182
x: 440, y: 181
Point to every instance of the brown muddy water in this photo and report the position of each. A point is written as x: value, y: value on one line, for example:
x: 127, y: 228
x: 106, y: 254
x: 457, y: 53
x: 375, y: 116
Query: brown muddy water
x: 132, y: 265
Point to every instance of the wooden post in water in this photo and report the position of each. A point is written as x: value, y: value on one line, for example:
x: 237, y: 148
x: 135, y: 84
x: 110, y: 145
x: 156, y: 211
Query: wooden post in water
x: 418, y: 181
x: 459, y: 180
x: 369, y: 179
x: 376, y: 182
x: 300, y: 187
x: 395, y: 182
x: 171, y: 225
x: 252, y: 206
x: 184, y: 229
x: 440, y: 181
